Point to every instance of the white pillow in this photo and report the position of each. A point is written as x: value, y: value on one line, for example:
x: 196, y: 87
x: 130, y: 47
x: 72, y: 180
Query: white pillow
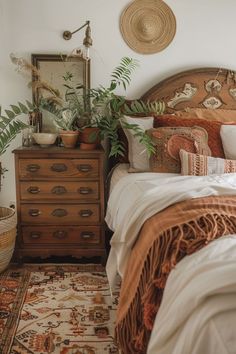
x: 228, y: 138
x: 138, y: 156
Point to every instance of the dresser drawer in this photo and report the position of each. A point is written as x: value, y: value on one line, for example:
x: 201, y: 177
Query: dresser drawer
x: 57, y: 214
x: 81, y: 235
x: 35, y: 190
x: 58, y: 168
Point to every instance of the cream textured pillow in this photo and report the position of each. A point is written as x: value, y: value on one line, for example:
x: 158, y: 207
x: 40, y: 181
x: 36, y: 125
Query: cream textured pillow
x: 202, y: 165
x: 228, y: 138
x: 138, y: 156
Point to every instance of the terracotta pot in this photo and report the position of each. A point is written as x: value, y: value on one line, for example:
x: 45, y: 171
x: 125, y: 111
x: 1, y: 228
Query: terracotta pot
x: 89, y: 138
x: 69, y: 138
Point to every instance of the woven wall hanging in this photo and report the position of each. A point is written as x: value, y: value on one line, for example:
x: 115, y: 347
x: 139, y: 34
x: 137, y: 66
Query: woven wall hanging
x: 148, y: 26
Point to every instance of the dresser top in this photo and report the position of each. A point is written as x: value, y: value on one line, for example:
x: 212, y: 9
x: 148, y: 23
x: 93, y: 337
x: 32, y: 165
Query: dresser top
x: 56, y: 150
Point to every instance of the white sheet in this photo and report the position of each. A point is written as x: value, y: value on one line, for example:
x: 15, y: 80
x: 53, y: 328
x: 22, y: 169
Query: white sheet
x: 117, y: 173
x: 138, y: 196
x: 127, y: 189
x: 198, y: 310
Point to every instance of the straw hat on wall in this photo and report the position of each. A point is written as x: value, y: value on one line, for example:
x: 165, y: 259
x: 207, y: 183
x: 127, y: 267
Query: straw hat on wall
x: 148, y: 26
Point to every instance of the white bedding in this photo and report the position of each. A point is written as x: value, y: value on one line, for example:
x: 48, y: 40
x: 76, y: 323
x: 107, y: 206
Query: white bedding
x: 138, y: 196
x: 117, y: 173
x: 198, y: 310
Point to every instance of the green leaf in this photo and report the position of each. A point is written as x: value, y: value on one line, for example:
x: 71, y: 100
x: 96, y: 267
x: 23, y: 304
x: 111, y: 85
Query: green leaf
x: 15, y: 109
x: 5, y: 120
x: 23, y: 108
x: 69, y: 87
x: 30, y: 105
x: 10, y: 114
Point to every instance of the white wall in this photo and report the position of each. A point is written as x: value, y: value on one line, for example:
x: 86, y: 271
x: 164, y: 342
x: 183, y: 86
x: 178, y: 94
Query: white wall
x: 204, y: 37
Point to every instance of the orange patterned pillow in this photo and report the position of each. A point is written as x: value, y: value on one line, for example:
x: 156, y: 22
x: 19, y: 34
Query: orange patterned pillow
x: 169, y: 140
x: 201, y: 165
x: 212, y: 128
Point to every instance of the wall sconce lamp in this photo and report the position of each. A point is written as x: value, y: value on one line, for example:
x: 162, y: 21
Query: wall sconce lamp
x: 87, y: 42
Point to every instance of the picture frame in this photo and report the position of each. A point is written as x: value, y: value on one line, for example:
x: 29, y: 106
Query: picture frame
x: 52, y: 68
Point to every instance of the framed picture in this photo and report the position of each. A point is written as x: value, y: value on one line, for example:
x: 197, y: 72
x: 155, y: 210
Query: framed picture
x: 53, y: 69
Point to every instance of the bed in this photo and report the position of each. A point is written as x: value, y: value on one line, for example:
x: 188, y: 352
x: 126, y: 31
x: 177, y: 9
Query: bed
x: 174, y: 222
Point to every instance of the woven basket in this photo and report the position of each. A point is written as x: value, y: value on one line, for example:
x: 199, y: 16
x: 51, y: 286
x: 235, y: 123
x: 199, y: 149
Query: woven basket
x: 7, y: 236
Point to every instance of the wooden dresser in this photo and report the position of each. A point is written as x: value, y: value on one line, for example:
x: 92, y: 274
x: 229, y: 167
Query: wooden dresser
x: 60, y: 202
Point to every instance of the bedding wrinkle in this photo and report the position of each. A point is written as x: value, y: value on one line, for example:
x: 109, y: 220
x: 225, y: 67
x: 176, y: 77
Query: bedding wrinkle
x: 220, y: 340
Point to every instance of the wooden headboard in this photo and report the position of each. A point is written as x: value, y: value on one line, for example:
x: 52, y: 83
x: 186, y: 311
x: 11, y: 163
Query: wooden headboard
x: 204, y: 88
x: 196, y: 88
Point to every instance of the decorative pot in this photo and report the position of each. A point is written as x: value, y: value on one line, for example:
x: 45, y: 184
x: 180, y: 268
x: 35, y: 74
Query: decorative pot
x: 89, y: 138
x: 69, y: 138
x: 7, y: 236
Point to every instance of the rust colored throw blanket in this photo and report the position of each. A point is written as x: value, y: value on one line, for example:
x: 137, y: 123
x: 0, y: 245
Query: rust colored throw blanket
x: 163, y: 241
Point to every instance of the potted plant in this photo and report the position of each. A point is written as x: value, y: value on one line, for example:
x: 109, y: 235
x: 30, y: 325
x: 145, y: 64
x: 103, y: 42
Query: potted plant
x: 10, y: 126
x: 69, y: 113
x: 66, y: 123
x: 99, y: 114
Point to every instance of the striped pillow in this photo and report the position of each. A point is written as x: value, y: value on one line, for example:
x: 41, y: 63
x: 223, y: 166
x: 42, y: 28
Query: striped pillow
x: 201, y: 165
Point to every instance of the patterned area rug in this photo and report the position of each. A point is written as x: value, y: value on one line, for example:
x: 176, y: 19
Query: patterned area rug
x: 61, y: 309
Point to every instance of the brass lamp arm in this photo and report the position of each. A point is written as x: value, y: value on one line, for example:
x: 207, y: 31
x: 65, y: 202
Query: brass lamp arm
x: 67, y: 34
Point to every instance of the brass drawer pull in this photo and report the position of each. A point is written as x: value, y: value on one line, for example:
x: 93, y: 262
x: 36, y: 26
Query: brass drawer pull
x: 32, y: 167
x: 60, y: 234
x: 59, y: 167
x: 58, y: 190
x: 35, y: 235
x: 85, y: 190
x: 85, y: 213
x: 34, y: 212
x: 33, y: 189
x: 59, y: 212
x: 84, y: 168
x: 86, y: 235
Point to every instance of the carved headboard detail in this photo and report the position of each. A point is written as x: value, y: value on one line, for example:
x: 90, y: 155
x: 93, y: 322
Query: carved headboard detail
x: 204, y: 88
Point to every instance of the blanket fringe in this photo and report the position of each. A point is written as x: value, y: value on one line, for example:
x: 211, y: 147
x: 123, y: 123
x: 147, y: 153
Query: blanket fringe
x: 133, y: 331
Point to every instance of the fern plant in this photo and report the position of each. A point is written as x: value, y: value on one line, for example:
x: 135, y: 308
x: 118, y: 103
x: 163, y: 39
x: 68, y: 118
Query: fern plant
x: 108, y: 108
x: 10, y: 126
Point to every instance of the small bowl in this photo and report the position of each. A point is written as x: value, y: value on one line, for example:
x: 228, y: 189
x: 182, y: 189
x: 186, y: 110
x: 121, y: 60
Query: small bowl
x: 44, y: 139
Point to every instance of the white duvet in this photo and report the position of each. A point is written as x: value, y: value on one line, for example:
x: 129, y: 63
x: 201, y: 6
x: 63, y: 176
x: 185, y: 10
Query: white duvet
x: 138, y: 196
x: 198, y: 310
